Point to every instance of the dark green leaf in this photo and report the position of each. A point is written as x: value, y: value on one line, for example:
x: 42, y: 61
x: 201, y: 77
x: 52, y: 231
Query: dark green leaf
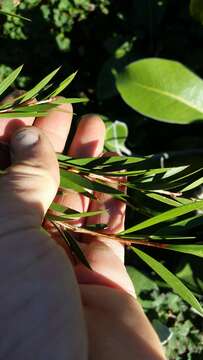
x: 72, y: 243
x: 73, y: 215
x: 170, y: 279
x: 168, y: 215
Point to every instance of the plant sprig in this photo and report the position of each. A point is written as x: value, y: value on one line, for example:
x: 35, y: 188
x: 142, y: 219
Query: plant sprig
x: 160, y: 189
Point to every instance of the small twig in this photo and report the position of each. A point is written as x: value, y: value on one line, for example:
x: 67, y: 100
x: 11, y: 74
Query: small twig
x: 126, y: 242
x: 172, y: 194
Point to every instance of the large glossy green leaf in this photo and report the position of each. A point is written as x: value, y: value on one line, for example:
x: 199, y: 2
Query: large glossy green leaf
x: 170, y: 279
x: 196, y: 10
x: 168, y: 215
x: 163, y: 90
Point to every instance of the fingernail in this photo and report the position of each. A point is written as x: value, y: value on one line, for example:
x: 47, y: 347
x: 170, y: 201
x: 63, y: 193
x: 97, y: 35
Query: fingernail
x: 25, y: 137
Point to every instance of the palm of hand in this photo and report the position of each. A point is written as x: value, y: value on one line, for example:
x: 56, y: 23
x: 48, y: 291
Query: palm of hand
x: 106, y: 258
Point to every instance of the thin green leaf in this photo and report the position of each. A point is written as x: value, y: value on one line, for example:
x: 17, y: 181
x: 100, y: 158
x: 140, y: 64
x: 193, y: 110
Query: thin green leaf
x: 69, y: 216
x: 170, y: 279
x: 73, y: 245
x: 163, y: 199
x: 6, y: 13
x: 181, y: 226
x: 62, y: 209
x: 63, y: 85
x: 193, y: 249
x: 9, y: 79
x: 17, y: 114
x: 193, y: 185
x: 85, y: 183
x: 69, y: 100
x: 168, y: 215
x: 37, y: 88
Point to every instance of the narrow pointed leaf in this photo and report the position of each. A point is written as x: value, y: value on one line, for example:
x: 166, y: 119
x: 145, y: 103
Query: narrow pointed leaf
x: 63, y: 85
x: 87, y: 184
x: 37, y: 88
x: 163, y: 199
x: 17, y: 114
x: 73, y: 245
x: 181, y: 226
x: 68, y: 216
x: 6, y: 13
x: 193, y: 249
x: 168, y: 215
x: 70, y: 100
x: 170, y: 279
x: 9, y: 79
x: 193, y: 185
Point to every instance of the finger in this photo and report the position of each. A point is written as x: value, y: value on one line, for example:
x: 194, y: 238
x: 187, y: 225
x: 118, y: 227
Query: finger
x: 89, y: 138
x: 108, y: 269
x: 113, y: 216
x: 8, y: 126
x: 56, y: 125
x: 105, y: 256
x: 31, y: 182
x: 88, y: 141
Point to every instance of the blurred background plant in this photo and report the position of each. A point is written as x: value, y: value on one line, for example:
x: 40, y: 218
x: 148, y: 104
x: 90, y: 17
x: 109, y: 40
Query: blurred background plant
x: 100, y: 37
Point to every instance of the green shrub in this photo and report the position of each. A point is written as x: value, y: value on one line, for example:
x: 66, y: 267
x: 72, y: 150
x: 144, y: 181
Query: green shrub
x: 60, y: 16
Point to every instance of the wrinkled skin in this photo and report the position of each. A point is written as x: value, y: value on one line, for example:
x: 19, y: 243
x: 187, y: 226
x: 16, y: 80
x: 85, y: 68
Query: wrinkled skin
x: 98, y: 316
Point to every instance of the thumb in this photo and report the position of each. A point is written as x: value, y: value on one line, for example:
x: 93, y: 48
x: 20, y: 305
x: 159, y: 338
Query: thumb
x: 31, y: 182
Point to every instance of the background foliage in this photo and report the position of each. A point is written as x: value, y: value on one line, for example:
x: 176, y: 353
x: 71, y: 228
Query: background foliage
x: 97, y: 37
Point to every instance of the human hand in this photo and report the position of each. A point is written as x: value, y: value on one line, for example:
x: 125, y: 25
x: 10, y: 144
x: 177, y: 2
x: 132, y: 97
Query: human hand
x: 107, y: 293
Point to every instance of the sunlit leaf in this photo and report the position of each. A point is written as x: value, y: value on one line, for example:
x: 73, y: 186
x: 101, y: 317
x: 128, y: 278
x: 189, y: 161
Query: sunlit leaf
x: 168, y: 215
x: 37, y: 88
x: 150, y: 86
x: 63, y: 85
x: 163, y: 199
x: 181, y: 226
x: 170, y: 279
x: 68, y: 178
x: 193, y: 249
x: 4, y: 85
x: 193, y: 185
